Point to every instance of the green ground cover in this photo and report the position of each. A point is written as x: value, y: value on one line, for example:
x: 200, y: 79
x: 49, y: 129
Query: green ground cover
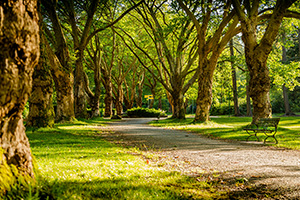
x: 74, y: 162
x: 231, y: 128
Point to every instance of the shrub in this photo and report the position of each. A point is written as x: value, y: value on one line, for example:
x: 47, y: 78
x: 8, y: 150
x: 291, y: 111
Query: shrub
x: 222, y: 109
x: 145, y: 112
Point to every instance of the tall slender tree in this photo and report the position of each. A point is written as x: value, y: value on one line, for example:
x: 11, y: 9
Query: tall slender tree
x: 234, y: 82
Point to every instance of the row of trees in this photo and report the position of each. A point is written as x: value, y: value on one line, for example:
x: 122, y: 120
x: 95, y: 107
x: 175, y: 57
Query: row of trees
x: 120, y: 46
x: 177, y: 43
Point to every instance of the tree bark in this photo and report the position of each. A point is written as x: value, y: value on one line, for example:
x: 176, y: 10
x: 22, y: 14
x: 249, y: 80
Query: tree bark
x: 80, y: 96
x: 60, y: 67
x: 118, y: 100
x: 63, y: 85
x: 41, y: 111
x: 108, y: 99
x: 178, y: 105
x: 204, y: 98
x: 285, y: 95
x: 234, y: 85
x: 19, y: 53
x: 159, y: 106
x: 248, y: 99
x: 139, y: 99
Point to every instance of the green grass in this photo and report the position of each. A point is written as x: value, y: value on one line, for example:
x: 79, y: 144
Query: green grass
x: 231, y: 128
x: 74, y: 162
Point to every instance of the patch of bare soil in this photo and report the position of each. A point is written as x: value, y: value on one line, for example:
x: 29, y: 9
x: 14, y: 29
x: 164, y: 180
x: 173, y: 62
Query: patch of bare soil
x: 243, y: 170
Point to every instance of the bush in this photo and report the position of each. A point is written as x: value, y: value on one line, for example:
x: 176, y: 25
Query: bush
x: 145, y: 112
x: 222, y: 109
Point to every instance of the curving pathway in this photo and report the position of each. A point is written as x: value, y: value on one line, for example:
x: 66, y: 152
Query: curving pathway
x: 194, y: 154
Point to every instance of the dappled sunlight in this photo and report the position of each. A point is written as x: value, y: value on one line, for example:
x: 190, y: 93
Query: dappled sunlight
x: 75, y: 163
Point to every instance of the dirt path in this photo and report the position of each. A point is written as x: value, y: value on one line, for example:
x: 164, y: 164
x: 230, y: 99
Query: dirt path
x: 193, y: 154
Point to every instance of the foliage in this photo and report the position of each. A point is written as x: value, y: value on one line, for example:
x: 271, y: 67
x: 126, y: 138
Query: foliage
x: 222, y: 109
x: 145, y: 112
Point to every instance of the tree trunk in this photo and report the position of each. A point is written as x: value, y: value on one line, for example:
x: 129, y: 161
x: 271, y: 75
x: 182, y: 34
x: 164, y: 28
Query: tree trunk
x: 94, y: 103
x: 178, y: 105
x: 248, y: 99
x: 285, y: 95
x: 151, y: 102
x: 60, y: 67
x: 63, y: 85
x: 159, y: 106
x: 204, y: 98
x: 119, y: 101
x: 259, y: 87
x: 139, y: 99
x: 80, y: 96
x: 234, y: 85
x: 287, y: 107
x: 108, y: 95
x: 41, y: 111
x: 19, y: 53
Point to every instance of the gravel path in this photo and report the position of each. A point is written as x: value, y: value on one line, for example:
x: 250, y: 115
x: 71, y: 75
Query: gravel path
x: 193, y: 154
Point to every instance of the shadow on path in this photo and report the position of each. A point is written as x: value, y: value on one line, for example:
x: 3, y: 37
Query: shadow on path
x: 193, y: 153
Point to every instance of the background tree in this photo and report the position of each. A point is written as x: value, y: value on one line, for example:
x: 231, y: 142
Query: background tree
x: 19, y: 53
x: 234, y: 82
x: 170, y: 33
x: 59, y: 60
x: 41, y: 110
x: 215, y: 24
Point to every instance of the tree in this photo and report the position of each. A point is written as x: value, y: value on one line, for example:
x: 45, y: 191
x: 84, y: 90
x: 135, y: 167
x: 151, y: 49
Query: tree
x: 19, y: 53
x: 257, y: 49
x: 80, y: 16
x: 287, y: 107
x: 234, y: 84
x: 80, y: 40
x: 94, y: 62
x: 60, y: 64
x: 106, y: 72
x: 171, y: 36
x: 215, y: 24
x: 41, y: 111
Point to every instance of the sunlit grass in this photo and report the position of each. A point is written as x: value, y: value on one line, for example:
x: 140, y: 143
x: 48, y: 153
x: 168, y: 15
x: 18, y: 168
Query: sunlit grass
x: 74, y: 162
x: 231, y: 128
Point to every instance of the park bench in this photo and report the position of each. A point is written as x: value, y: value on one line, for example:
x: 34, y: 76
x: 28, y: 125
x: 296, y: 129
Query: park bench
x: 268, y: 126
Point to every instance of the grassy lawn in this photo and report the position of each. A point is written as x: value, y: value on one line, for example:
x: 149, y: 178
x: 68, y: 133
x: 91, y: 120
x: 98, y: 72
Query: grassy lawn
x: 74, y: 162
x: 231, y: 128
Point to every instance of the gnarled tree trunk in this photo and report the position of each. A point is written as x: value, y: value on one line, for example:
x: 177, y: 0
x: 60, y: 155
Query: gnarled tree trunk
x: 60, y: 66
x: 63, y: 85
x: 19, y: 53
x: 204, y: 98
x: 80, y: 96
x: 41, y: 111
x: 257, y: 52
